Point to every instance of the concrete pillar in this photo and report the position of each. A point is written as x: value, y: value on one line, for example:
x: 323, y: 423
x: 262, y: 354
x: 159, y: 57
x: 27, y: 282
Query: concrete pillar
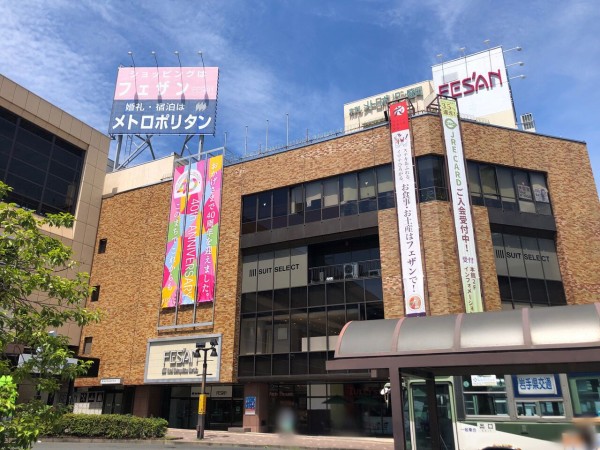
x: 258, y: 421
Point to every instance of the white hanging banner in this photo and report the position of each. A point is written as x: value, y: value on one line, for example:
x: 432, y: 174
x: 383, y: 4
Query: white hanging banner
x: 461, y: 207
x: 408, y: 218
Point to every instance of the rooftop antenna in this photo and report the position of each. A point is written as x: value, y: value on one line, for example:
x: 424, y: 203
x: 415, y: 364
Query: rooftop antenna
x: 440, y: 57
x: 180, y: 73
x: 204, y: 68
x: 157, y: 74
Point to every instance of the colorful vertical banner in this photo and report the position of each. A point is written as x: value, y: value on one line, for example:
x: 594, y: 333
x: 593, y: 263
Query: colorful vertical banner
x: 171, y: 271
x: 461, y: 206
x: 192, y: 232
x: 210, y: 229
x: 408, y: 219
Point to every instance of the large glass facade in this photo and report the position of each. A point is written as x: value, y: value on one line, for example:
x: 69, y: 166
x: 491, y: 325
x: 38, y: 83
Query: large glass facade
x: 528, y: 271
x: 295, y: 303
x: 508, y: 188
x: 344, y: 195
x: 43, y: 170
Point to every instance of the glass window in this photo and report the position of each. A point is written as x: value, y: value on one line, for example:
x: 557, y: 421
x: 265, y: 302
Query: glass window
x: 355, y: 292
x: 507, y: 189
x: 264, y: 301
x: 313, y: 195
x: 299, y: 330
x: 552, y: 408
x: 296, y: 200
x: 335, y: 293
x: 87, y: 345
x: 473, y: 171
x: 432, y: 182
x: 485, y: 400
x: 366, y: 181
x: 298, y: 297
x: 247, y: 336
x: 374, y: 311
x: 540, y: 193
x: 249, y: 208
x: 524, y: 193
x: 317, y: 329
x: 585, y: 394
x: 42, y: 178
x: 248, y: 302
x: 281, y: 299
x: 527, y: 409
x: 316, y: 295
x: 373, y: 289
x: 280, y: 202
x: 331, y: 192
x: 385, y: 179
x: 489, y: 186
x: 264, y: 205
x: 349, y: 197
x: 281, y: 332
x: 264, y: 333
x: 385, y: 186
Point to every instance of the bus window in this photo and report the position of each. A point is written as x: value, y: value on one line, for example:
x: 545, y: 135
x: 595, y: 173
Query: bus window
x: 485, y: 398
x: 585, y: 394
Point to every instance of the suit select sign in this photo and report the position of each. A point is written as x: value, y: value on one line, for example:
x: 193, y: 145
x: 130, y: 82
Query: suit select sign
x: 172, y: 360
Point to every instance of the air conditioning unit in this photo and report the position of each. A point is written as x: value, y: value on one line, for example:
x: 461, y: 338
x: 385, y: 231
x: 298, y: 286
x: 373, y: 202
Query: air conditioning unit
x: 351, y: 270
x: 375, y: 272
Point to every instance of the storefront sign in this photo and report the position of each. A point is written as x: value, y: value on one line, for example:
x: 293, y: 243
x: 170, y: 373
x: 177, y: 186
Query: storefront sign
x: 536, y: 385
x: 479, y: 82
x: 172, y: 360
x: 484, y: 380
x: 461, y: 206
x: 107, y: 381
x: 275, y: 270
x: 408, y: 218
x: 525, y: 257
x: 250, y: 406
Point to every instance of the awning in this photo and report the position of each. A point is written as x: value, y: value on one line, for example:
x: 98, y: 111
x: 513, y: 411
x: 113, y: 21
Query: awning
x: 565, y: 338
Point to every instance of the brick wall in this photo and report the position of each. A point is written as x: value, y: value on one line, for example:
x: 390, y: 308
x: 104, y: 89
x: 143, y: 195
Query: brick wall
x: 135, y: 222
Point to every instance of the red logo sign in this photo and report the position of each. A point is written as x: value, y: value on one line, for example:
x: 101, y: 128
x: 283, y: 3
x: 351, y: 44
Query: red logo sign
x: 398, y: 116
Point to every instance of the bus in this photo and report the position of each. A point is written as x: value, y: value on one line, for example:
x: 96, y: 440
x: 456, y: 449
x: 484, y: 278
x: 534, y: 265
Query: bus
x: 527, y: 412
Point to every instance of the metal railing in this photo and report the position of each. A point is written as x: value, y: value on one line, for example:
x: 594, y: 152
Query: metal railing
x: 360, y: 269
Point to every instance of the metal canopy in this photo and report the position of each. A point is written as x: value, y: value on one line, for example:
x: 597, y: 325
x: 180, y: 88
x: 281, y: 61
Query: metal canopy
x: 517, y: 340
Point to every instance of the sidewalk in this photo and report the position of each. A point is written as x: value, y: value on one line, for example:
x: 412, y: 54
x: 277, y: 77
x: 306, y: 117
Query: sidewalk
x: 269, y: 440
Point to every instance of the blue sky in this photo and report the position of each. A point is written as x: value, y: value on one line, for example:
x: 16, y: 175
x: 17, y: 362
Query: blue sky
x: 304, y: 57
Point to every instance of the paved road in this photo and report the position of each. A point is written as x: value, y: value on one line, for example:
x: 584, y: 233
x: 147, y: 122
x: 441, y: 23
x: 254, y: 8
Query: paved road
x: 111, y: 446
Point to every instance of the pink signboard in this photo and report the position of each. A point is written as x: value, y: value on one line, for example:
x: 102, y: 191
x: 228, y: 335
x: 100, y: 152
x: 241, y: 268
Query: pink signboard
x: 210, y: 230
x: 171, y: 270
x: 167, y: 83
x: 192, y: 232
x: 165, y: 100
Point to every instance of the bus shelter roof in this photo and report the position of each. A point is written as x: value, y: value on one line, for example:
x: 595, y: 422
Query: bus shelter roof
x: 538, y: 340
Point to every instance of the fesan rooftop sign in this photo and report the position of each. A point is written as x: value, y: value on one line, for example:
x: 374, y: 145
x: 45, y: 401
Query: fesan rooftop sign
x: 480, y: 84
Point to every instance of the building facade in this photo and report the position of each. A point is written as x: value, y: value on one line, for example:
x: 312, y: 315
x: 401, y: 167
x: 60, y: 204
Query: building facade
x: 308, y: 241
x: 55, y: 163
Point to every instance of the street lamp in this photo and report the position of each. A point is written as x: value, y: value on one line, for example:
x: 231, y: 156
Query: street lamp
x: 201, y: 346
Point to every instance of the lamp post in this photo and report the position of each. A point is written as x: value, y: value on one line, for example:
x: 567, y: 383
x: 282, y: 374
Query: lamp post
x: 201, y: 346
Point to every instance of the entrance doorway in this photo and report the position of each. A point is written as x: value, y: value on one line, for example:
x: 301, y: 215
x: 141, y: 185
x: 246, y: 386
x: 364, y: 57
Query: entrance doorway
x: 419, y: 414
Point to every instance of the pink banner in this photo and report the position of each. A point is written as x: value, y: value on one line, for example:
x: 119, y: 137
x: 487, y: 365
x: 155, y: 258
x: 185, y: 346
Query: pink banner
x: 167, y: 83
x: 171, y: 271
x: 191, y: 238
x: 210, y: 230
